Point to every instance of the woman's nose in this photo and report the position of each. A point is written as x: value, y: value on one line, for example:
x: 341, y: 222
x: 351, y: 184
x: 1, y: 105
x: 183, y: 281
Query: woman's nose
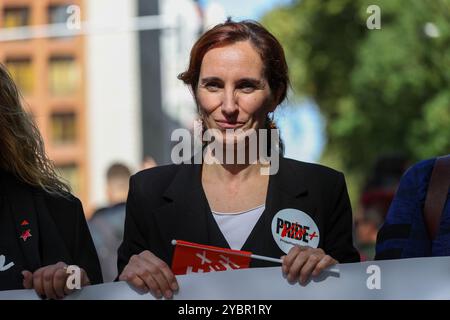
x: 229, y: 103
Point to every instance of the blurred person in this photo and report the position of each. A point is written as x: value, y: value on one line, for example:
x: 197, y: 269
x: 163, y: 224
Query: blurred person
x: 373, y: 206
x: 148, y: 163
x: 418, y: 220
x: 106, y: 224
x: 238, y: 75
x: 42, y: 226
x: 366, y: 230
x: 375, y: 201
x: 383, y: 182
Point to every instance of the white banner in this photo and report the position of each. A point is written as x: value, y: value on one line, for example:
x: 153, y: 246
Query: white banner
x: 418, y: 278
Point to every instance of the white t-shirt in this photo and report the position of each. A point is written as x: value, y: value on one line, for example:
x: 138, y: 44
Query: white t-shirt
x: 237, y: 226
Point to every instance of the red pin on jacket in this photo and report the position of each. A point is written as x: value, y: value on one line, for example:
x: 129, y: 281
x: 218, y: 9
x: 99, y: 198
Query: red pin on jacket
x: 26, y: 234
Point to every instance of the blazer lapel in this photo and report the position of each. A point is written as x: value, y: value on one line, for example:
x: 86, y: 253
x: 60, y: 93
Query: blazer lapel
x: 216, y: 237
x: 187, y: 215
x: 184, y: 217
x: 285, y: 190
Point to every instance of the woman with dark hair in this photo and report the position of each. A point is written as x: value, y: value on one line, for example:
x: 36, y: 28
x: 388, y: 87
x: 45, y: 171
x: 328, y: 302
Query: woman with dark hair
x: 42, y: 226
x: 300, y: 211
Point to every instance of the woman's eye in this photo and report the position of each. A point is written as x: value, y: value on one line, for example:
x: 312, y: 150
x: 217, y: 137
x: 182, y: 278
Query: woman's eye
x: 247, y: 87
x: 212, y: 86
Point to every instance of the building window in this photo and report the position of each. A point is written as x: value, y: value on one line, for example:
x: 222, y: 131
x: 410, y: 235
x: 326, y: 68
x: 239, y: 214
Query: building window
x: 63, y: 76
x: 57, y: 14
x: 16, y: 17
x: 63, y: 128
x: 22, y: 72
x: 70, y: 174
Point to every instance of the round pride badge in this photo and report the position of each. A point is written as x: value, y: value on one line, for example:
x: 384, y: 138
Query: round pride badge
x: 292, y: 227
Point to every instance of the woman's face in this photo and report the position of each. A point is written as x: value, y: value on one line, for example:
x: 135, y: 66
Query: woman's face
x: 233, y: 92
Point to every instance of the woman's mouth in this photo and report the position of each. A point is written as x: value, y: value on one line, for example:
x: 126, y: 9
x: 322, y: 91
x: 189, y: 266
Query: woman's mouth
x: 223, y: 124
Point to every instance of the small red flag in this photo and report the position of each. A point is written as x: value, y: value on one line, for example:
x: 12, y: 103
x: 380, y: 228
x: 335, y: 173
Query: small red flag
x: 191, y: 257
x: 24, y: 223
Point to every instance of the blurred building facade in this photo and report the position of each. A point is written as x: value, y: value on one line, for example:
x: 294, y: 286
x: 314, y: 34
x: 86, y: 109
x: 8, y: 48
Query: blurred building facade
x: 50, y: 73
x: 107, y: 93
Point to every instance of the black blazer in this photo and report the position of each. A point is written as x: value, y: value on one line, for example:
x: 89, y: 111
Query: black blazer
x: 58, y: 227
x: 168, y: 202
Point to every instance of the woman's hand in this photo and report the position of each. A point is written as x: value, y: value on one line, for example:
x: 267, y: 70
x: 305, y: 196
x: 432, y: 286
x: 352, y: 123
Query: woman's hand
x: 147, y: 272
x: 302, y: 262
x: 51, y: 281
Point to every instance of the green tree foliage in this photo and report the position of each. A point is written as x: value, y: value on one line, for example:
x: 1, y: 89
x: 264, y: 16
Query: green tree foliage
x: 381, y: 91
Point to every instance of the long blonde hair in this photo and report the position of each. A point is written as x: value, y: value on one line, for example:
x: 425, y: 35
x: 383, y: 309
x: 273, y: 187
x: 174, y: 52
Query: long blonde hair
x: 22, y: 151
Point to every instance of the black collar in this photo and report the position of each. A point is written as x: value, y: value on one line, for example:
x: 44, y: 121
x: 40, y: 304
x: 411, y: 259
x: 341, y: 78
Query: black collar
x: 287, y: 180
x: 188, y: 216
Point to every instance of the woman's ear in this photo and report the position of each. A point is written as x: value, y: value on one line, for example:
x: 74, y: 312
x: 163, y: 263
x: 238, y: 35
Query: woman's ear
x: 275, y: 101
x: 272, y: 106
x: 278, y: 95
